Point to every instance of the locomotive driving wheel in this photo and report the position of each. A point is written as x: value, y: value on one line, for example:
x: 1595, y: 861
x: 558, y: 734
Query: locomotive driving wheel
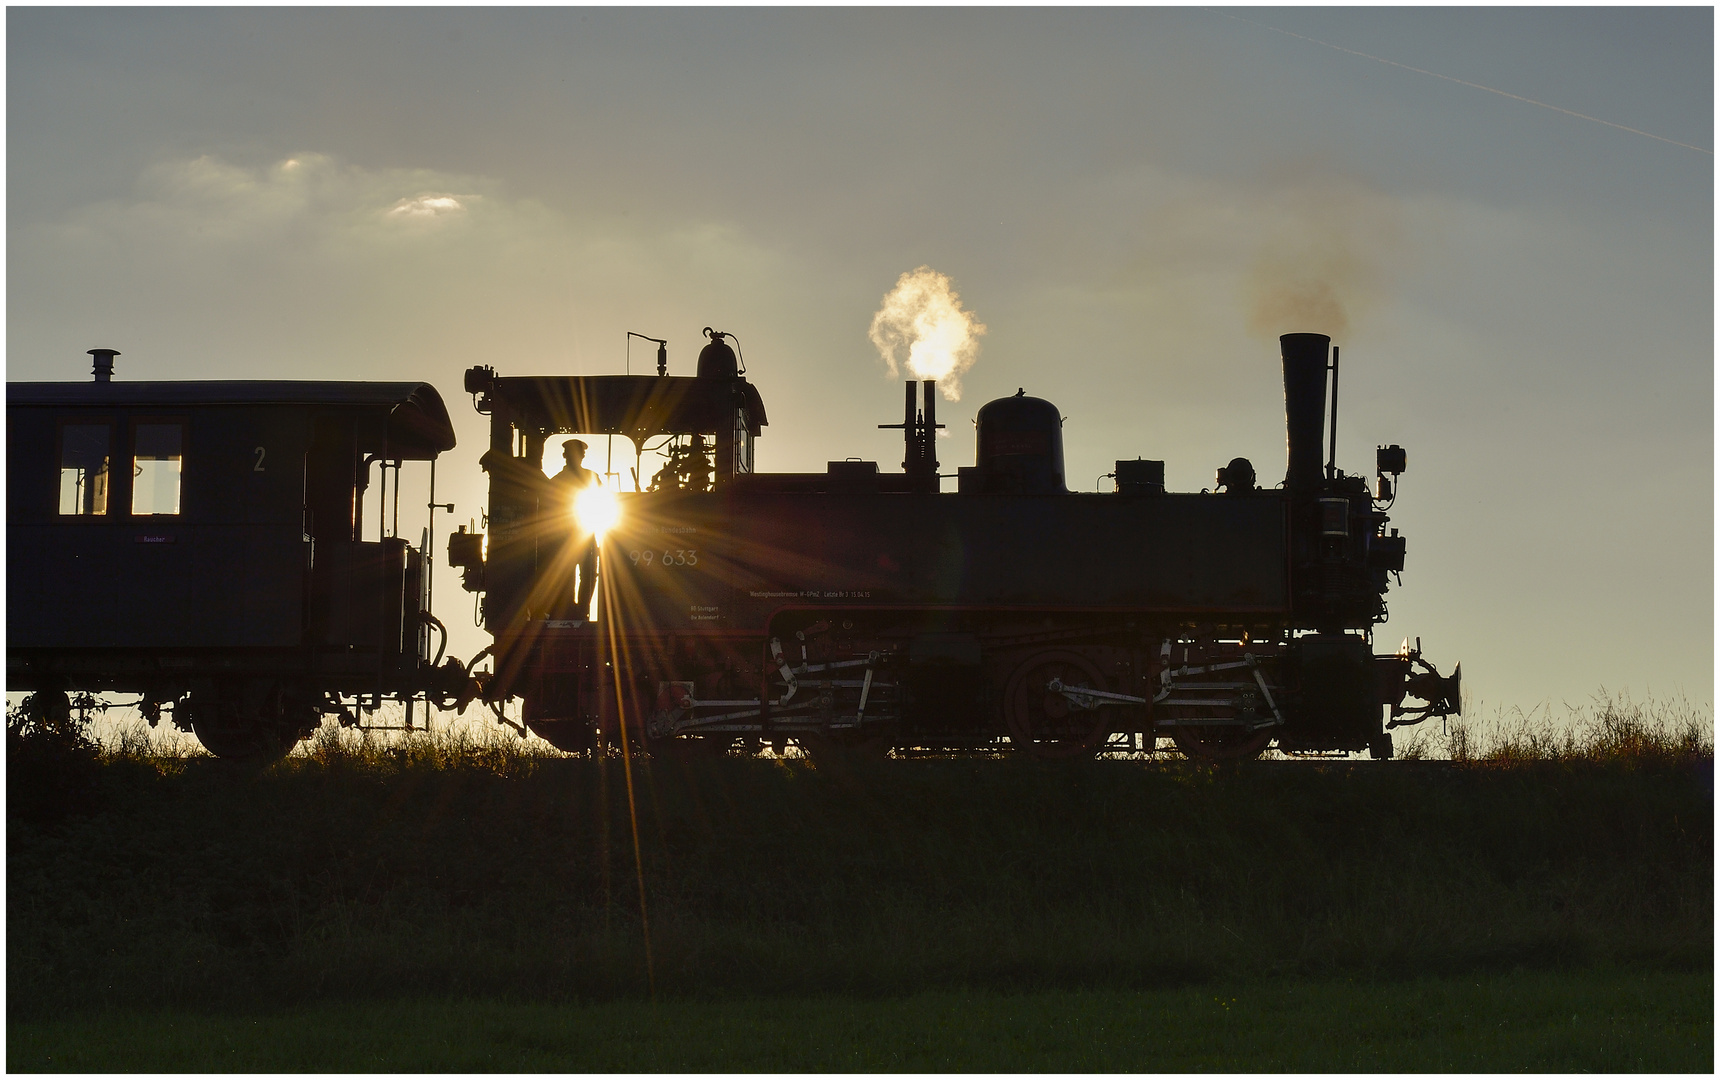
x: 1048, y: 725
x: 839, y: 748
x: 690, y: 747
x: 1216, y: 743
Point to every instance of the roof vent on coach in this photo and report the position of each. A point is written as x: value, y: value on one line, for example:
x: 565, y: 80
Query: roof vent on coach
x: 103, y: 370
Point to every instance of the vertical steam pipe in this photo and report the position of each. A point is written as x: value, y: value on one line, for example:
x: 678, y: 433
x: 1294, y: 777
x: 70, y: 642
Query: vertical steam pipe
x: 930, y: 435
x: 1332, y: 456
x: 1304, y: 406
x: 909, y: 457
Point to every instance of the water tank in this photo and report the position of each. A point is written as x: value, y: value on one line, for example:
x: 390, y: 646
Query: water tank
x: 1020, y: 447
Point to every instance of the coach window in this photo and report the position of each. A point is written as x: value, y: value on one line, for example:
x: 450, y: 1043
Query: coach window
x: 156, y: 468
x: 84, y: 468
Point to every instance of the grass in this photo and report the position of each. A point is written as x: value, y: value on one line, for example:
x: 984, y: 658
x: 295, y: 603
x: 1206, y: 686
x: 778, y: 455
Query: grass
x: 1532, y: 1021
x: 358, y: 876
x: 457, y: 875
x: 1609, y: 730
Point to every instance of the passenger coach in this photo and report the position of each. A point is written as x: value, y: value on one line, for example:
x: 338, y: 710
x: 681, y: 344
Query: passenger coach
x: 204, y: 545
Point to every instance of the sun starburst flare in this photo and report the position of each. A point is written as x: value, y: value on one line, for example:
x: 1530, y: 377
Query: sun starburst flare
x: 597, y: 510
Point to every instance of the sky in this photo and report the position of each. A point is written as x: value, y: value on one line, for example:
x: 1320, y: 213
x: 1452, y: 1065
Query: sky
x: 1133, y: 202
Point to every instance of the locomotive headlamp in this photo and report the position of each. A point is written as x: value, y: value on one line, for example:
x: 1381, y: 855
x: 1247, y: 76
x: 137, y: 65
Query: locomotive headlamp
x: 479, y: 380
x: 596, y: 510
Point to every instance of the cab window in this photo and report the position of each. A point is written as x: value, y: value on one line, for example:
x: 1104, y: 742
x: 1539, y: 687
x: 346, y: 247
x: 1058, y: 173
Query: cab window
x: 84, y: 457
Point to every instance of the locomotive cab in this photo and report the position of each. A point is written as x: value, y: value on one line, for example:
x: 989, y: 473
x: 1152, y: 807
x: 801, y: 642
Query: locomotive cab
x: 705, y: 425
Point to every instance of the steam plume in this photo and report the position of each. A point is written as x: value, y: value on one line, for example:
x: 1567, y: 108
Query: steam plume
x: 924, y: 316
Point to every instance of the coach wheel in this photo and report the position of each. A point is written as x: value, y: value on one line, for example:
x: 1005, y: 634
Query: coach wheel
x: 51, y: 710
x: 1049, y: 725
x: 1226, y: 743
x: 235, y: 741
x: 255, y: 722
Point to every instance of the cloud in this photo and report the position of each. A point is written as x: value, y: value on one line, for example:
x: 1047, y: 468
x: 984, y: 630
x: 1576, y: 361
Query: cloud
x: 1190, y: 278
x: 427, y: 206
x: 345, y: 261
x: 1284, y: 253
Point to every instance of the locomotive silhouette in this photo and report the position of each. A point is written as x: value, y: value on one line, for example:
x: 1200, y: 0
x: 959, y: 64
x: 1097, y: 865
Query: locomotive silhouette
x: 224, y: 574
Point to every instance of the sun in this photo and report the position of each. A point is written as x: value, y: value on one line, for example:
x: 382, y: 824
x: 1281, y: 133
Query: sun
x: 596, y: 510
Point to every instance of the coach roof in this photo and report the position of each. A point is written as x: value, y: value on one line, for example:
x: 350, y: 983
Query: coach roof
x: 417, y: 418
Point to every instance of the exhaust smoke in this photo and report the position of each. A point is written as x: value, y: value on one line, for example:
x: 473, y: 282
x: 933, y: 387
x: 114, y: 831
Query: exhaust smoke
x: 1327, y: 257
x: 923, y: 317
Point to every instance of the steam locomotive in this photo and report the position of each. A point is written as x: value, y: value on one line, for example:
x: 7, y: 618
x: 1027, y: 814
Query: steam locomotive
x: 204, y: 545
x: 860, y: 609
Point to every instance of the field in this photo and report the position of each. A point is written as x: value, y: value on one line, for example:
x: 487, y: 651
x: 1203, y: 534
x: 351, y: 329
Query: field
x: 450, y: 903
x: 1557, y: 1021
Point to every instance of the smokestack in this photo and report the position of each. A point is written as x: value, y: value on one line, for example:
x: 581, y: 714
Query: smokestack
x: 1304, y: 405
x: 104, y: 364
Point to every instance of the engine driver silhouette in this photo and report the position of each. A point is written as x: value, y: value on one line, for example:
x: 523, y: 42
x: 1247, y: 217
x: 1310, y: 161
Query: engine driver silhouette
x: 573, y: 479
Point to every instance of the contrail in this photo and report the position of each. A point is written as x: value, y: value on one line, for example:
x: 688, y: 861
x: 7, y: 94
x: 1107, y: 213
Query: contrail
x: 1461, y: 82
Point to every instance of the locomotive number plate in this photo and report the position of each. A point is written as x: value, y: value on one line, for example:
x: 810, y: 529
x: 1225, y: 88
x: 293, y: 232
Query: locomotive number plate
x: 669, y: 557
